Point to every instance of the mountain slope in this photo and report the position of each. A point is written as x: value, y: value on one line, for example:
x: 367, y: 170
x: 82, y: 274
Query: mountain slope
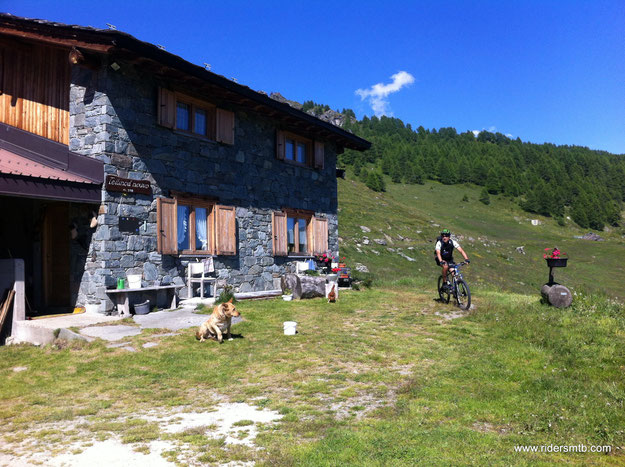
x: 408, y: 218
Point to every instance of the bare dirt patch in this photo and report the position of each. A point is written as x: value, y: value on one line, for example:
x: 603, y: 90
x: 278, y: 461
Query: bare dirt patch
x: 162, y: 437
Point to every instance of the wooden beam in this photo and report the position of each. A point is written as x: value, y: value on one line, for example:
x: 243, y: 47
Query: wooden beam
x: 68, y: 42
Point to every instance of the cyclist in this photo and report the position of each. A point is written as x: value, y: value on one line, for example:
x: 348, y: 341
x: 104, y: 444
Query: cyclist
x: 444, y: 249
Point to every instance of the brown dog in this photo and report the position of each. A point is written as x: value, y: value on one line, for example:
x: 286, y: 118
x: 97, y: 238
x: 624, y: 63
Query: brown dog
x: 219, y: 322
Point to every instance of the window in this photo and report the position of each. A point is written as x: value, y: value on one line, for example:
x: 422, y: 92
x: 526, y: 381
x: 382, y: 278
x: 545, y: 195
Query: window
x: 192, y: 228
x: 188, y: 225
x: 185, y: 113
x: 299, y: 150
x: 296, y: 149
x: 192, y: 118
x: 297, y: 232
x: 183, y: 121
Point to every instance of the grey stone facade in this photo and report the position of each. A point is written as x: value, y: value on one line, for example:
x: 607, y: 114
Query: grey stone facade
x: 113, y: 118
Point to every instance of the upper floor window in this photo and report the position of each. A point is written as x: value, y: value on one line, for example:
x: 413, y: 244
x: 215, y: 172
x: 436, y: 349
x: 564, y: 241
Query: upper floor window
x: 299, y: 150
x: 184, y: 113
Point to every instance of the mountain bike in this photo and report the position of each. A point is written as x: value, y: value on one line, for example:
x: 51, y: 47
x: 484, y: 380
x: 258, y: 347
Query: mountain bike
x: 458, y: 287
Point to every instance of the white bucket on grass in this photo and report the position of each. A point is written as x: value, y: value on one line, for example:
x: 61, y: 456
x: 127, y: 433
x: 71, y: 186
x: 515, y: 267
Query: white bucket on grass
x: 290, y: 328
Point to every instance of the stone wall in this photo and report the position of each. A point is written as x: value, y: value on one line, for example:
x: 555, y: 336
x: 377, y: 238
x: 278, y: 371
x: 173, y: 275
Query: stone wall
x: 113, y: 119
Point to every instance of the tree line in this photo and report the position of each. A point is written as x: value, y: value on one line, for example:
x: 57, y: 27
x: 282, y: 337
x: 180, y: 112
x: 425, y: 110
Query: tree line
x: 587, y: 185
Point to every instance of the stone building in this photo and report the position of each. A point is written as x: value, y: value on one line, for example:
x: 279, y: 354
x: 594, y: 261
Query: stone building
x: 117, y: 157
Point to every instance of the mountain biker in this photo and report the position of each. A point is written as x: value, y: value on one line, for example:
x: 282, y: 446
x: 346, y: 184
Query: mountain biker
x: 444, y: 249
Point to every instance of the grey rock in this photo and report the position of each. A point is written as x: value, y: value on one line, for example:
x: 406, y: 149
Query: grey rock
x: 361, y: 267
x: 365, y: 229
x: 150, y: 272
x: 380, y: 241
x: 405, y: 256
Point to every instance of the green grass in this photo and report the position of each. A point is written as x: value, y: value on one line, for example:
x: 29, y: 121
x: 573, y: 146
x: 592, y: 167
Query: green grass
x: 378, y: 378
x: 496, y: 230
x: 381, y: 377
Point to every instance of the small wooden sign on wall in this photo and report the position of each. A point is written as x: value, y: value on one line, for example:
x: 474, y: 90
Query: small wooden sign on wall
x: 127, y: 185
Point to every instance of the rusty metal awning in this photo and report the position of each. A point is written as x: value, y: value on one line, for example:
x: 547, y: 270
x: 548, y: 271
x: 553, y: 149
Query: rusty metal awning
x: 35, y: 167
x: 14, y: 164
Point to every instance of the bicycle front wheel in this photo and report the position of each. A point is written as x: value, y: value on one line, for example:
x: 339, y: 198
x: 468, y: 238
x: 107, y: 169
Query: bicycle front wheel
x: 443, y: 293
x: 463, y: 295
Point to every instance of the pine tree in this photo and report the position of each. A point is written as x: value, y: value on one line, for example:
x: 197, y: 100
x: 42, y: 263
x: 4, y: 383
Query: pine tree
x: 484, y: 196
x: 375, y: 181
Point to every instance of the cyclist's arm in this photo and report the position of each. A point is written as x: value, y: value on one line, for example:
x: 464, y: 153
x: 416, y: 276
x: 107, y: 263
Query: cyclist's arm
x: 461, y: 251
x: 438, y: 251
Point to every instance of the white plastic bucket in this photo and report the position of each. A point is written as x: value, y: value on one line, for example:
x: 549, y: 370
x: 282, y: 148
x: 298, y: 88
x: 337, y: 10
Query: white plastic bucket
x: 134, y: 281
x: 290, y: 328
x: 92, y: 308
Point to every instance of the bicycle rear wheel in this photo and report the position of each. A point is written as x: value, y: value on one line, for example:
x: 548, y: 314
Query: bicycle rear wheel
x: 442, y: 293
x: 463, y: 295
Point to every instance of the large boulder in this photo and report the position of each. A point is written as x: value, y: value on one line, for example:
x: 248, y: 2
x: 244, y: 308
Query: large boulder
x: 303, y: 286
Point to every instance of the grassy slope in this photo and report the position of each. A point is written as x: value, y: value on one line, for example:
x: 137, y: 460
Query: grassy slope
x: 497, y: 230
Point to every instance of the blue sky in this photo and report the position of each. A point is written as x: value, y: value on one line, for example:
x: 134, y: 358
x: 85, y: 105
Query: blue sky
x: 542, y: 71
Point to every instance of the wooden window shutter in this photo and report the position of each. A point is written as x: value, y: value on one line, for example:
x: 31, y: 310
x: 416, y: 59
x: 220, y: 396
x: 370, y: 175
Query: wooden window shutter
x: 166, y: 108
x: 319, y: 154
x: 279, y: 145
x: 167, y: 235
x: 279, y: 234
x: 225, y: 126
x: 225, y: 230
x: 320, y: 235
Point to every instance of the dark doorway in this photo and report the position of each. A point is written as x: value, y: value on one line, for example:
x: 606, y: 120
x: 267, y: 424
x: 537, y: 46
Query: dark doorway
x: 56, y: 257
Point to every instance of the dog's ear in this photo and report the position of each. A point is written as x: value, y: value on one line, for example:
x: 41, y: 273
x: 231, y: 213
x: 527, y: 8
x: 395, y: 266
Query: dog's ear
x: 229, y: 301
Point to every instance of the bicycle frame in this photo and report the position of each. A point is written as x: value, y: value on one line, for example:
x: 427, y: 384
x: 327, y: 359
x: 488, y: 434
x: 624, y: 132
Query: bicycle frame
x: 463, y: 297
x: 454, y: 269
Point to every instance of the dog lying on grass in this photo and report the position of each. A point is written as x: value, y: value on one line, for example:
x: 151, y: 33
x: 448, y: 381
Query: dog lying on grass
x: 219, y: 322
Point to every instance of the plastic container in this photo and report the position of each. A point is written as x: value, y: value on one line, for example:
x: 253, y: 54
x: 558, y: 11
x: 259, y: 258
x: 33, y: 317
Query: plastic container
x: 142, y: 308
x: 290, y: 328
x: 134, y: 281
x: 92, y: 308
x: 556, y: 262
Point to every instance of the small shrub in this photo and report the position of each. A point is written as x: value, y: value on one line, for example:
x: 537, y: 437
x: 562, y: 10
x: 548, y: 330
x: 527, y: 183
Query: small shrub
x: 465, y: 199
x: 311, y: 272
x: 226, y: 295
x: 485, y: 197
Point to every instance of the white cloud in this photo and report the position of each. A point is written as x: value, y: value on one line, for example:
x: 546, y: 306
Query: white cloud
x: 491, y: 129
x: 378, y: 93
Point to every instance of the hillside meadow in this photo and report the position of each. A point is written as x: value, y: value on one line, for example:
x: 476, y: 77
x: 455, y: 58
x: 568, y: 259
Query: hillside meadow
x: 409, y: 218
